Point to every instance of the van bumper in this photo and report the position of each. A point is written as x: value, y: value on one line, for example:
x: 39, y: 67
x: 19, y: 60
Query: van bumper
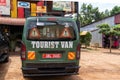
x: 50, y: 70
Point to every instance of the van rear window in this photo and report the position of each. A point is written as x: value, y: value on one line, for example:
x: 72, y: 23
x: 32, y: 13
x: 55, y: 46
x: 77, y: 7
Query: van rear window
x: 51, y: 31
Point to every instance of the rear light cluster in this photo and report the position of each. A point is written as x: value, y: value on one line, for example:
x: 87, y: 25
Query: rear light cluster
x: 78, y: 52
x: 23, y: 51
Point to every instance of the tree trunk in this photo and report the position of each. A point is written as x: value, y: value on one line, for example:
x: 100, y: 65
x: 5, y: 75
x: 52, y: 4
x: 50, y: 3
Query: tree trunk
x: 110, y: 43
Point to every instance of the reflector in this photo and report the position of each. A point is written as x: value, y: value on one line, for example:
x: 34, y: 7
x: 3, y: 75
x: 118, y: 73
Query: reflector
x: 71, y: 55
x: 31, y: 55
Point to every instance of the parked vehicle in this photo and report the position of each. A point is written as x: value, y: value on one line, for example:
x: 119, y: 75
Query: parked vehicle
x: 4, y: 48
x: 50, y: 46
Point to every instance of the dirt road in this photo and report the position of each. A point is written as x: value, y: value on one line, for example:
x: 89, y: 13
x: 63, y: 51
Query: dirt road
x: 95, y: 65
x: 100, y: 65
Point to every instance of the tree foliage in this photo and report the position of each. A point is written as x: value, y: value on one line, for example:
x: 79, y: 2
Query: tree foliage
x: 106, y: 13
x: 89, y: 14
x: 117, y: 29
x: 115, y: 10
x: 85, y: 39
x: 109, y: 30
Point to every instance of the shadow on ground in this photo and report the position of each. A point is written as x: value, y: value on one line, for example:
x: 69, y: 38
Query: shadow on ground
x: 14, y: 54
x: 113, y: 53
x: 73, y: 77
x: 3, y: 69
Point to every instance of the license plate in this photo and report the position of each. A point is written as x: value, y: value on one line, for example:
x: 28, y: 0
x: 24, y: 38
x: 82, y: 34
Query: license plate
x: 51, y: 55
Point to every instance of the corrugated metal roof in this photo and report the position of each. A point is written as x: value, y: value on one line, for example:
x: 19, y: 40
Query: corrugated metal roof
x: 12, y: 21
x: 103, y: 19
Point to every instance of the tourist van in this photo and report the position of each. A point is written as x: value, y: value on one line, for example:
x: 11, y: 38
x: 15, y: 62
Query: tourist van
x: 50, y: 46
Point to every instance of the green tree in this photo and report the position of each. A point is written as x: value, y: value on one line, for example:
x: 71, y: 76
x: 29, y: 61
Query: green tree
x: 89, y: 14
x: 109, y: 30
x: 115, y: 10
x: 106, y: 13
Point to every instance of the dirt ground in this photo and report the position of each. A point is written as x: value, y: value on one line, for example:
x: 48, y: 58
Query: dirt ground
x: 100, y: 65
x: 96, y: 64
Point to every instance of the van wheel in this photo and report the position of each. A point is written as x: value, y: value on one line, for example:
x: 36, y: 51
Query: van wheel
x: 6, y: 60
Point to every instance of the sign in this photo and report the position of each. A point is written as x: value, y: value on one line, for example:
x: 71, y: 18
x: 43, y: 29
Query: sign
x: 41, y: 9
x: 4, y: 7
x: 13, y: 8
x: 56, y: 55
x: 52, y: 44
x: 66, y: 33
x: 34, y: 34
x: 2, y: 2
x: 62, y: 5
x: 23, y: 4
x: 33, y: 9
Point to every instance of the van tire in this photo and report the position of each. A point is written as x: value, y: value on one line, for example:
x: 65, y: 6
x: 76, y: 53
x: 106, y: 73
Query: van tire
x: 6, y: 60
x: 6, y: 57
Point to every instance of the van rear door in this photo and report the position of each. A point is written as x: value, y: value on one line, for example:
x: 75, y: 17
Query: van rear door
x: 51, y: 40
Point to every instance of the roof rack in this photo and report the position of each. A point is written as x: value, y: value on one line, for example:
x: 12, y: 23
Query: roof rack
x: 54, y: 13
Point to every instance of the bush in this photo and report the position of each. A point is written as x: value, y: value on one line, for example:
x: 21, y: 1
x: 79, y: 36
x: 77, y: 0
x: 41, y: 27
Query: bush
x: 85, y: 38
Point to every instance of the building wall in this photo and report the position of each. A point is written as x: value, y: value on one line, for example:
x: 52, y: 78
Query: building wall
x: 26, y: 8
x: 96, y: 36
x: 117, y: 19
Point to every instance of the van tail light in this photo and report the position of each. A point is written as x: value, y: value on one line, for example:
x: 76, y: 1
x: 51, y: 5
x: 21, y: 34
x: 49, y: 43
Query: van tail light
x: 78, y: 52
x: 23, y: 51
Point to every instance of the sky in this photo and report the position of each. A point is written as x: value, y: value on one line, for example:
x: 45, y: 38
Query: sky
x: 101, y: 4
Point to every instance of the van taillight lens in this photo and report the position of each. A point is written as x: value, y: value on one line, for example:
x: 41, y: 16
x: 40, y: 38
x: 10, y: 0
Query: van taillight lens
x: 23, y: 51
x: 78, y: 52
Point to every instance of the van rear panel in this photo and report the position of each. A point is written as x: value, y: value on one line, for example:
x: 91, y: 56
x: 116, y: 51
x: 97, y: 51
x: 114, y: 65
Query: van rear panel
x: 50, y: 46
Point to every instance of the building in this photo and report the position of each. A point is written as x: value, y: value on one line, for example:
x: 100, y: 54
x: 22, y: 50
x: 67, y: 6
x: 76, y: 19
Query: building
x: 14, y: 12
x: 96, y: 36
